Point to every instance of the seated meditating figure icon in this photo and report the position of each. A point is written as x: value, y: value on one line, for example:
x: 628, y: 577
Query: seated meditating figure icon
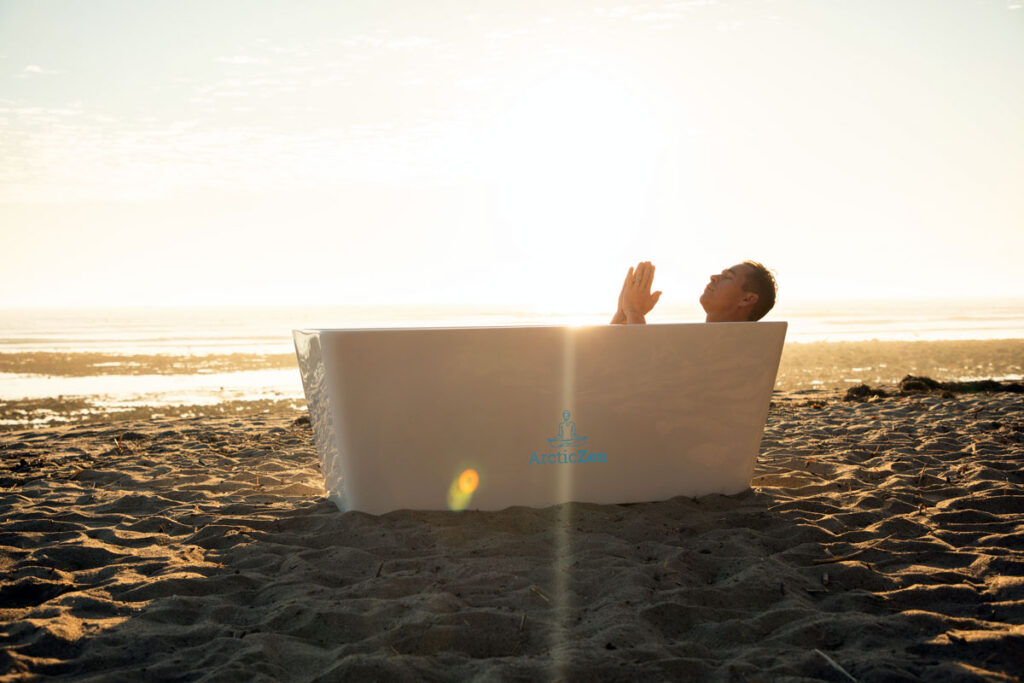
x: 566, y: 433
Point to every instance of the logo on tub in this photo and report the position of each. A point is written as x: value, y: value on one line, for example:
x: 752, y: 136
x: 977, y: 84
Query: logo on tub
x: 567, y: 447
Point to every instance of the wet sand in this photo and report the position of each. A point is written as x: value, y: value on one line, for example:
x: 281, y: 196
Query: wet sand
x: 880, y: 540
x: 804, y: 366
x: 810, y: 363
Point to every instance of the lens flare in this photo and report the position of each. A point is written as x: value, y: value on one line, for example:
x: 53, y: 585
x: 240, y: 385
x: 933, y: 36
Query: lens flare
x: 468, y: 481
x: 462, y: 488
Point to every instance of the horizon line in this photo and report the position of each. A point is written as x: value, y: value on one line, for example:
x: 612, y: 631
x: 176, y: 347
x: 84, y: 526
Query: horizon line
x: 503, y: 305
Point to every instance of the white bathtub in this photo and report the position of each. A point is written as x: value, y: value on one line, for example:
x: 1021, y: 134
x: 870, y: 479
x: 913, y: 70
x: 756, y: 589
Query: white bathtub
x: 489, y: 417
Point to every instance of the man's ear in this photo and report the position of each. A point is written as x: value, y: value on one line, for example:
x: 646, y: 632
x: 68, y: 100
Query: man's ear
x: 750, y: 298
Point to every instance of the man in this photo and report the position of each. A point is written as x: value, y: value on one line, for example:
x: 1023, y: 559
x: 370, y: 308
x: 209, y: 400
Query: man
x: 741, y: 293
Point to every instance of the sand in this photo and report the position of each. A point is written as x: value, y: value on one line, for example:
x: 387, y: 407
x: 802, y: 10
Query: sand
x: 804, y: 366
x: 881, y: 540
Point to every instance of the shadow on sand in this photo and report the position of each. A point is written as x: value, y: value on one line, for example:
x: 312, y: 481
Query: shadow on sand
x: 204, y: 550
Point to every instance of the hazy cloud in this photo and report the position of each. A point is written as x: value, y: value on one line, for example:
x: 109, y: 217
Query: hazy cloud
x: 36, y: 69
x: 240, y: 59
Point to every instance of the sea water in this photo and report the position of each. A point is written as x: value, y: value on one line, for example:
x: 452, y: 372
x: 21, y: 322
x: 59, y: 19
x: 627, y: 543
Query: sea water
x: 245, y: 353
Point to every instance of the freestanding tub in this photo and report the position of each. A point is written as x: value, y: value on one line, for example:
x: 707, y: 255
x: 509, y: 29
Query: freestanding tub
x: 489, y: 417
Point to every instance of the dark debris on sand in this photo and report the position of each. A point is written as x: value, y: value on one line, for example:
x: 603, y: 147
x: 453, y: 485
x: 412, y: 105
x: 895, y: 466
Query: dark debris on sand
x: 911, y: 385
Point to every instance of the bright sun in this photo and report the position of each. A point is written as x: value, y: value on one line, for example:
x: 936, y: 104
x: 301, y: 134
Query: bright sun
x: 570, y: 165
x: 575, y: 138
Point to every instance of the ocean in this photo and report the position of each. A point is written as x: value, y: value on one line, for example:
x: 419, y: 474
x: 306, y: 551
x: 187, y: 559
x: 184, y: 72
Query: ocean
x: 56, y: 363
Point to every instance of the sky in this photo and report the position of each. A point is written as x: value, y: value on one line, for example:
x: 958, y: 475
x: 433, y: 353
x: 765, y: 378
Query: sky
x: 526, y: 153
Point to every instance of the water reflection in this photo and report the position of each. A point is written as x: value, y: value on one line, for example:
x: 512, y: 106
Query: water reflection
x: 126, y: 390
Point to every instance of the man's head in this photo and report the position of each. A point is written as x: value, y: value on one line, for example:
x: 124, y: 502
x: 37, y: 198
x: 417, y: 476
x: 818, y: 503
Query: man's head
x: 742, y: 292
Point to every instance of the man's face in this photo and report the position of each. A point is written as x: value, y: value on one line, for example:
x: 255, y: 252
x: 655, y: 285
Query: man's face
x: 724, y: 293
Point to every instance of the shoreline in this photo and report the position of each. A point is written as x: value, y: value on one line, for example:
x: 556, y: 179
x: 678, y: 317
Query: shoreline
x: 825, y: 367
x: 1001, y: 353
x: 69, y: 411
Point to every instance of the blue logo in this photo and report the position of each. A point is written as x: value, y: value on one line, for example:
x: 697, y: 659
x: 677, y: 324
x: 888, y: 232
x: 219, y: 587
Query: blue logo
x: 566, y: 433
x: 564, y: 444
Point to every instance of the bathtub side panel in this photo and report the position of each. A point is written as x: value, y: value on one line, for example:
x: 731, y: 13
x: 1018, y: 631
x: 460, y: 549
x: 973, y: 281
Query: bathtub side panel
x: 316, y: 385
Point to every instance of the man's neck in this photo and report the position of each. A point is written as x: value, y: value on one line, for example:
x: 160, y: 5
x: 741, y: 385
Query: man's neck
x: 737, y: 317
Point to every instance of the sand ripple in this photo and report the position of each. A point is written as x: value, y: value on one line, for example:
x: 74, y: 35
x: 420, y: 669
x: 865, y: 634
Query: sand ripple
x: 886, y: 537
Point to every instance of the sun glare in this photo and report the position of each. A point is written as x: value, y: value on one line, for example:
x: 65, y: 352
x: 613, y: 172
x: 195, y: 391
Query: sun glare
x: 569, y: 164
x: 572, y: 141
x: 507, y: 154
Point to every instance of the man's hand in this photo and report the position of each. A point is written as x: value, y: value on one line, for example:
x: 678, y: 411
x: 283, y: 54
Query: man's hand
x: 620, y: 316
x: 635, y: 299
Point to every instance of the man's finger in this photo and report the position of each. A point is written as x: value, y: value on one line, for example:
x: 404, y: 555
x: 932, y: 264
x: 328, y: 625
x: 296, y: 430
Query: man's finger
x: 648, y: 276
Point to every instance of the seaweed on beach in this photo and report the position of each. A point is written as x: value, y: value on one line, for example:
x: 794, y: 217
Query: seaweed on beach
x: 912, y: 384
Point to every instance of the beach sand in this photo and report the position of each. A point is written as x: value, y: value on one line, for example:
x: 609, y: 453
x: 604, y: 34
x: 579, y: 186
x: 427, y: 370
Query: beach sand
x: 804, y: 366
x: 883, y: 539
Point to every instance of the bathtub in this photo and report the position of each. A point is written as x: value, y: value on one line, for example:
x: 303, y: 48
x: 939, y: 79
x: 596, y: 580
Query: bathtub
x: 490, y: 417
